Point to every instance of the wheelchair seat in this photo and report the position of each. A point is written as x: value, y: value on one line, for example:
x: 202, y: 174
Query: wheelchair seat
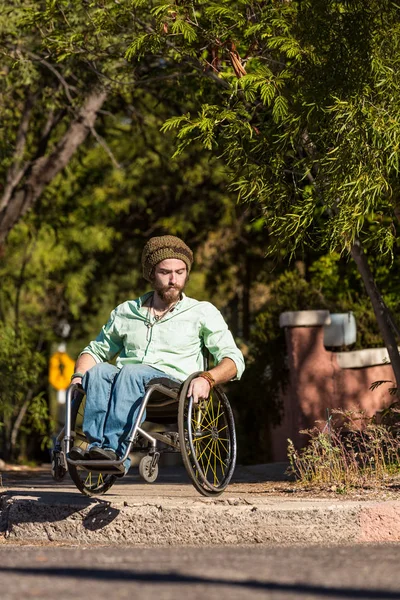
x: 162, y: 408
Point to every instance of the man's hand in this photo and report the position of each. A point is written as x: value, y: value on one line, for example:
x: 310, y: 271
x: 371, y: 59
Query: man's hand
x: 84, y: 363
x: 199, y: 388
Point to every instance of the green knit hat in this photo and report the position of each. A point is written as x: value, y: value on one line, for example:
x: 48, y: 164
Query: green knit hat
x: 162, y: 247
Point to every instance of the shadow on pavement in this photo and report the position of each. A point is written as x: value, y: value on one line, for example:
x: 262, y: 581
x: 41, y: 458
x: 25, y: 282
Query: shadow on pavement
x: 154, y: 578
x: 52, y: 507
x: 26, y: 479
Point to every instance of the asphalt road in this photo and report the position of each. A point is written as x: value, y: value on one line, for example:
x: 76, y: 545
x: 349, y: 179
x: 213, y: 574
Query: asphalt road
x: 293, y: 573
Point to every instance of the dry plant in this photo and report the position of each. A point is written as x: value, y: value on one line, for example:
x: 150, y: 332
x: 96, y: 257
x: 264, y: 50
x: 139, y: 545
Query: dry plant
x: 351, y: 450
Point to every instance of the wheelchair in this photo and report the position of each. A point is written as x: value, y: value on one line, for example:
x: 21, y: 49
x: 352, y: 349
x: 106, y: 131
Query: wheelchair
x: 205, y: 437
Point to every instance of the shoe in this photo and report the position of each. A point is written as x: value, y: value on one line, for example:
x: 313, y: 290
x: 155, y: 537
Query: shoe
x: 78, y: 453
x: 97, y: 453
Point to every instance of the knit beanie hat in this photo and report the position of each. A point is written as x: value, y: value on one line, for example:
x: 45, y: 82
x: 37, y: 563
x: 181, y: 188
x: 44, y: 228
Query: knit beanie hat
x: 162, y: 247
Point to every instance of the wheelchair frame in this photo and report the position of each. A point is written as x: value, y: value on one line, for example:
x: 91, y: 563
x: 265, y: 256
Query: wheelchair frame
x: 206, y: 439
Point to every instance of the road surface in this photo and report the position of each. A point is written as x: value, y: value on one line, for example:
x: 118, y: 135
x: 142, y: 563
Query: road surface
x: 280, y: 573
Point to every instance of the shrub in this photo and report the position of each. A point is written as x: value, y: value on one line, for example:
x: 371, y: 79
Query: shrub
x: 352, y: 449
x: 21, y: 406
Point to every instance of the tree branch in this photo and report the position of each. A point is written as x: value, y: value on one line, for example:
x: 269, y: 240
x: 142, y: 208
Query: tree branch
x: 106, y: 147
x: 43, y: 170
x: 67, y: 87
x: 15, y: 172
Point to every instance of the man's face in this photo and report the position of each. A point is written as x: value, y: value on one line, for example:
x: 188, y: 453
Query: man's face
x: 169, y: 279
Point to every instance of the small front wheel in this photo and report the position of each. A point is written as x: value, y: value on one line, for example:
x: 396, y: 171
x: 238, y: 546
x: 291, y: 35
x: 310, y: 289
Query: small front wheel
x: 148, y: 469
x: 58, y: 470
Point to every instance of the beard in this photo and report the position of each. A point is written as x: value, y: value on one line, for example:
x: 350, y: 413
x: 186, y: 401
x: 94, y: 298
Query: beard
x: 169, y: 293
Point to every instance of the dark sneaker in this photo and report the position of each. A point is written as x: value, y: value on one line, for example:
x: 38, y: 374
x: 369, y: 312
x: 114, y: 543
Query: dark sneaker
x: 78, y: 453
x: 97, y: 453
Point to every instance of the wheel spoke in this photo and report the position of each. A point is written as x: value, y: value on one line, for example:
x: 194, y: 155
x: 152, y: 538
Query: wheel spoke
x: 199, y: 457
x: 211, y: 456
x: 223, y: 445
x: 213, y: 451
x: 220, y: 412
x: 215, y: 467
x: 210, y: 465
x: 222, y: 428
x: 212, y: 403
x: 220, y: 459
x: 205, y: 460
x: 204, y: 466
x: 209, y: 409
x: 200, y: 439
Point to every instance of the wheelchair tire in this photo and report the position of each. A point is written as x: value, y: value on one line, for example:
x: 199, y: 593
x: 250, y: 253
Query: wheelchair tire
x: 90, y: 483
x: 58, y: 471
x: 207, y: 440
x: 145, y: 471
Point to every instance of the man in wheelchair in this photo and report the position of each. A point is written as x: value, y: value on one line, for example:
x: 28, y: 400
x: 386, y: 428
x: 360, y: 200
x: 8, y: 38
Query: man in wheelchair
x: 161, y: 334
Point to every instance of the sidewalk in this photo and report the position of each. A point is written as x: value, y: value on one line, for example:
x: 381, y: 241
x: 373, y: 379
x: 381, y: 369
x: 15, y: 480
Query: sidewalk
x: 259, y: 507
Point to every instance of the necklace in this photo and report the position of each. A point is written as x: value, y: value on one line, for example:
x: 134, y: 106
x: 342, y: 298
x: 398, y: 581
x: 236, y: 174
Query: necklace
x: 157, y: 318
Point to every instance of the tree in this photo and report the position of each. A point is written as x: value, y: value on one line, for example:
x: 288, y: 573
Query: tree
x: 307, y: 118
x: 63, y: 66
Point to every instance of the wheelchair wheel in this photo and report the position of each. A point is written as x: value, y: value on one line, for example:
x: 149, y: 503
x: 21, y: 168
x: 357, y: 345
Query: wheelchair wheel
x: 147, y: 470
x: 58, y: 471
x: 207, y: 440
x: 90, y: 483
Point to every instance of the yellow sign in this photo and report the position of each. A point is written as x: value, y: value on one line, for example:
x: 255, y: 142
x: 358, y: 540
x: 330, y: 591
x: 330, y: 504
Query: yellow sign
x: 61, y: 369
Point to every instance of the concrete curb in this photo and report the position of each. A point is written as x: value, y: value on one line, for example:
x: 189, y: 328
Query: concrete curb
x: 133, y: 515
x: 168, y: 521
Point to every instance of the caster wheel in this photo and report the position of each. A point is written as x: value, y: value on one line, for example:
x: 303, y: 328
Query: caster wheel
x: 147, y: 472
x: 58, y: 471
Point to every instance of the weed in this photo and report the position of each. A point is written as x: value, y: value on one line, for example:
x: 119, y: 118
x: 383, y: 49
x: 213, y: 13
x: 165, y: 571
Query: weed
x: 351, y: 450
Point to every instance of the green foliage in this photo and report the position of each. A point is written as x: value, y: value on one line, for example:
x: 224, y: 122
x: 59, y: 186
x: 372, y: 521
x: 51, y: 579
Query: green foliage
x: 39, y: 420
x: 20, y: 368
x: 309, y: 123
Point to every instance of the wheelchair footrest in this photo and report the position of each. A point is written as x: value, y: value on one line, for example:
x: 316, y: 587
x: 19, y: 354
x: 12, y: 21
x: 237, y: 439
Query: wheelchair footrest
x: 108, y: 470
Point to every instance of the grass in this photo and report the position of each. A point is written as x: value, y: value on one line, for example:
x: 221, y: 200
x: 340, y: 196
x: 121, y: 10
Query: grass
x: 349, y: 450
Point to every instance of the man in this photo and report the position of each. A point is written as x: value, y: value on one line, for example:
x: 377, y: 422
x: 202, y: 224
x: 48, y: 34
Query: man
x: 161, y: 334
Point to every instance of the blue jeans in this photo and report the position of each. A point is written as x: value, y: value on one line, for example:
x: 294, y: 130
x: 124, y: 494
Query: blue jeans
x: 113, y: 400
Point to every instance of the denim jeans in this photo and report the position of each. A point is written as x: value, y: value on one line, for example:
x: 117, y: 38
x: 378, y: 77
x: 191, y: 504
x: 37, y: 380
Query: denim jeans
x: 113, y: 400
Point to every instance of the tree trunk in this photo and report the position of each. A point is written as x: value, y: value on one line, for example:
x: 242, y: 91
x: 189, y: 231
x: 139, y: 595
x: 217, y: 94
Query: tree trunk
x: 18, y: 423
x: 380, y: 310
x: 246, y: 299
x: 43, y: 169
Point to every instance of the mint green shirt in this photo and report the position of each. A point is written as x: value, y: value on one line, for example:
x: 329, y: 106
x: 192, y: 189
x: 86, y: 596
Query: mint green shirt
x: 173, y: 344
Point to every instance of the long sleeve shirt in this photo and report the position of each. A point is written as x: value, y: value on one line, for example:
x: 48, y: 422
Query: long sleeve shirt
x: 173, y: 344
